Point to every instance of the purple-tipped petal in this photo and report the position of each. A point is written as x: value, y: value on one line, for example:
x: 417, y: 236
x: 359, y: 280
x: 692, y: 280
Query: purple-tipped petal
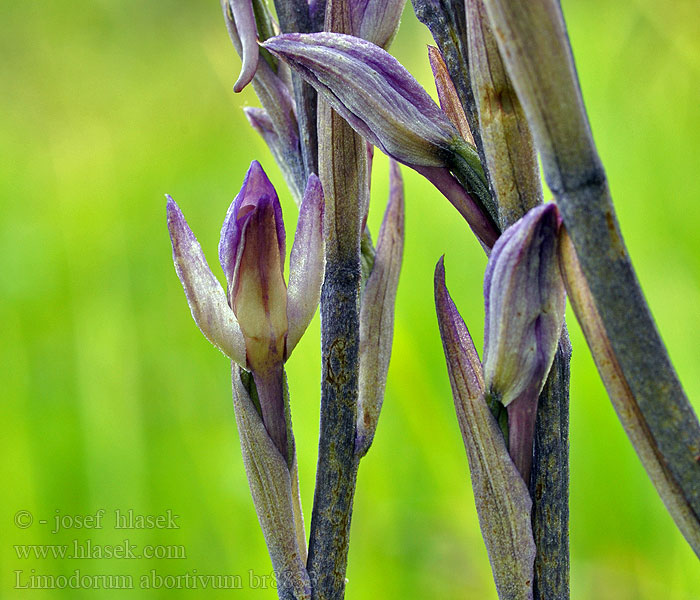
x: 306, y: 263
x: 205, y: 295
x: 377, y: 313
x: 259, y: 294
x: 244, y: 18
x: 460, y: 351
x: 502, y: 500
x: 256, y: 187
x: 372, y: 92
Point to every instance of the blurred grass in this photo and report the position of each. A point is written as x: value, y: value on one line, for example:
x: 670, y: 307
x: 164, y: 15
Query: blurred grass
x: 112, y: 399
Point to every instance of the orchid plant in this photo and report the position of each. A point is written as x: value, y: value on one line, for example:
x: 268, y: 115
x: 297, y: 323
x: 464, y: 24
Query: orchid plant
x: 330, y: 93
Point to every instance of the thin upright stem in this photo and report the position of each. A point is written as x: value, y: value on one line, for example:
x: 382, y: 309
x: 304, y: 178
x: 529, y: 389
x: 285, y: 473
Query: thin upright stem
x: 343, y: 173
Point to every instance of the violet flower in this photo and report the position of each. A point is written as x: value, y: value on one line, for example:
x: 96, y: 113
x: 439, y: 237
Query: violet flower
x: 382, y: 101
x: 373, y: 92
x: 525, y: 301
x: 259, y: 321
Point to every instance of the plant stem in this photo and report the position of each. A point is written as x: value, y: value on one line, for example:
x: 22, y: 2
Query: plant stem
x: 343, y: 173
x: 549, y: 482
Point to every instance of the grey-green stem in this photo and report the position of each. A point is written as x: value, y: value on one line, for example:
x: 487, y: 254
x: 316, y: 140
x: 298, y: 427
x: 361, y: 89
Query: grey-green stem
x: 343, y: 173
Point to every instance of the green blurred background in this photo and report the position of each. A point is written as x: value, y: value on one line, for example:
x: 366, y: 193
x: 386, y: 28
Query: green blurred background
x: 111, y: 398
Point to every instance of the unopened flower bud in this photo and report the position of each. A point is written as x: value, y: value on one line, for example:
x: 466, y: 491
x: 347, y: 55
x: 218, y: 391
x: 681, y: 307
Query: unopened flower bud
x: 525, y: 301
x: 251, y: 252
x: 262, y: 321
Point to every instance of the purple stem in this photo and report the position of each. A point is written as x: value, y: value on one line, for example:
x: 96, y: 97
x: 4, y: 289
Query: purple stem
x: 522, y: 415
x: 269, y: 386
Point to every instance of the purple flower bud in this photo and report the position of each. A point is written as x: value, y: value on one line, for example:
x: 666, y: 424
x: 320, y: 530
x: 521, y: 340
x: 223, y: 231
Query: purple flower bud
x: 262, y: 321
x: 251, y: 252
x: 372, y: 92
x: 376, y: 21
x: 525, y: 301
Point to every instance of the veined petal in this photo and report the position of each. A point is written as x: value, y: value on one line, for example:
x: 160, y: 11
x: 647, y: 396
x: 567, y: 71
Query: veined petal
x: 205, y: 295
x: 306, y: 263
x: 259, y: 295
x: 244, y: 17
x: 372, y: 91
x: 377, y: 314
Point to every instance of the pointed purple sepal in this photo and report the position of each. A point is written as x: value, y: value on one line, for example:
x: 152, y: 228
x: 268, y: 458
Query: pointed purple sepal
x: 306, y: 263
x: 205, y: 295
x: 457, y: 342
